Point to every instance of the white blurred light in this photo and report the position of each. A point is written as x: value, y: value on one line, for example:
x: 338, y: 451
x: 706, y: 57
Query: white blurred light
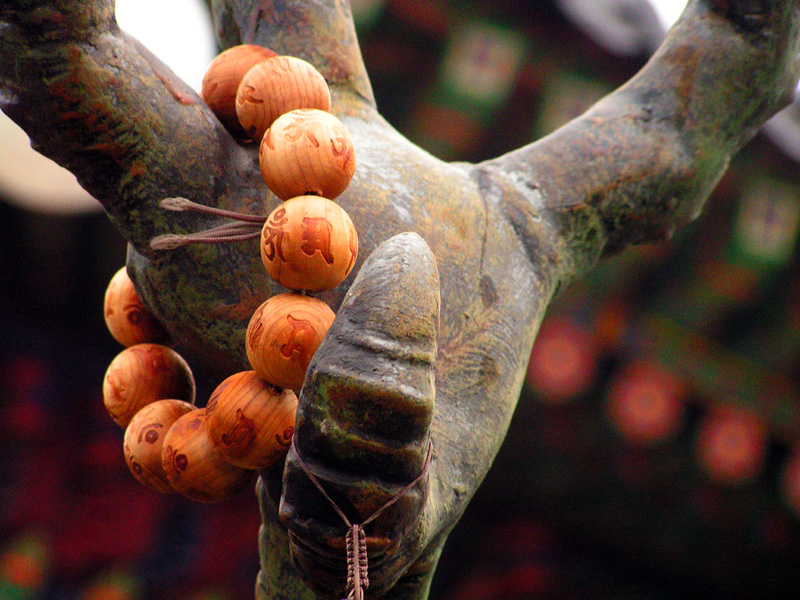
x: 668, y: 11
x: 179, y: 32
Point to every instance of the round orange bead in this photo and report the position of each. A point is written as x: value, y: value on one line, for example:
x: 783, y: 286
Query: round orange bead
x: 307, y: 151
x: 222, y: 79
x: 143, y: 374
x: 194, y: 468
x: 276, y: 86
x: 282, y: 336
x: 127, y: 319
x: 249, y: 421
x: 144, y: 441
x: 309, y: 243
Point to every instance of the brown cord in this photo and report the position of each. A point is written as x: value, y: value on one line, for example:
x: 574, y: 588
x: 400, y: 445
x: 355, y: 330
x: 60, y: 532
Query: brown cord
x: 357, y: 565
x: 248, y: 226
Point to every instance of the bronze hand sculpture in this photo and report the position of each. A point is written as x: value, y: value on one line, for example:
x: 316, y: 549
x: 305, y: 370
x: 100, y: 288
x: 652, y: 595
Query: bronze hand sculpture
x: 434, y: 335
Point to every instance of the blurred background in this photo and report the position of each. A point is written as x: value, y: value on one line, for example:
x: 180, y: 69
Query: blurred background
x: 655, y: 452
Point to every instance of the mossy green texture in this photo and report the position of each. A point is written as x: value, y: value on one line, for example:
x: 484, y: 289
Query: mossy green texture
x: 505, y: 235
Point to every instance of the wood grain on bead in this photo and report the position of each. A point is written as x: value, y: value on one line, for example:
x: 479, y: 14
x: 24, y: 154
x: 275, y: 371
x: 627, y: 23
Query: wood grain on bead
x: 222, y: 79
x: 144, y: 441
x: 282, y: 336
x: 249, y: 421
x: 309, y: 243
x: 307, y: 151
x: 194, y: 468
x: 127, y: 318
x: 143, y: 374
x: 276, y: 86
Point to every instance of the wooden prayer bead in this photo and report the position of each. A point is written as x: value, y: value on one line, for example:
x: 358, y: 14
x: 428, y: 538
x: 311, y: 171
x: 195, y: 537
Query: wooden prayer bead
x: 276, y: 86
x: 127, y: 319
x: 144, y: 441
x: 222, y: 79
x: 309, y: 243
x: 307, y: 151
x: 249, y: 421
x: 143, y: 374
x: 282, y: 336
x: 194, y: 468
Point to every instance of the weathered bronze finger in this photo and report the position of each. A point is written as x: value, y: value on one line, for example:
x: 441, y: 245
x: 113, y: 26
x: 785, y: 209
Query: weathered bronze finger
x: 363, y: 423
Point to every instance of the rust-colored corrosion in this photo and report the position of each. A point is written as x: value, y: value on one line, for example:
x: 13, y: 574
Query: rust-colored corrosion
x: 446, y: 316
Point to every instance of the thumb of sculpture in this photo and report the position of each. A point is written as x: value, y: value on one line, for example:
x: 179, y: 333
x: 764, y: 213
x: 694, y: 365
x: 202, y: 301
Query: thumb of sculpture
x: 364, y: 417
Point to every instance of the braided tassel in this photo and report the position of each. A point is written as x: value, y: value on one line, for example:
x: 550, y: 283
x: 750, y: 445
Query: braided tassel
x: 356, y: 539
x: 357, y: 568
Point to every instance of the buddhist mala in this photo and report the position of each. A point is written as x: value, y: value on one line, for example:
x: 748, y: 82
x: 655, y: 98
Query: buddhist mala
x: 308, y: 244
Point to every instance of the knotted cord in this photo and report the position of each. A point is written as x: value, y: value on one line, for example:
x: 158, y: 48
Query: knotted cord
x: 357, y: 564
x: 247, y: 227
